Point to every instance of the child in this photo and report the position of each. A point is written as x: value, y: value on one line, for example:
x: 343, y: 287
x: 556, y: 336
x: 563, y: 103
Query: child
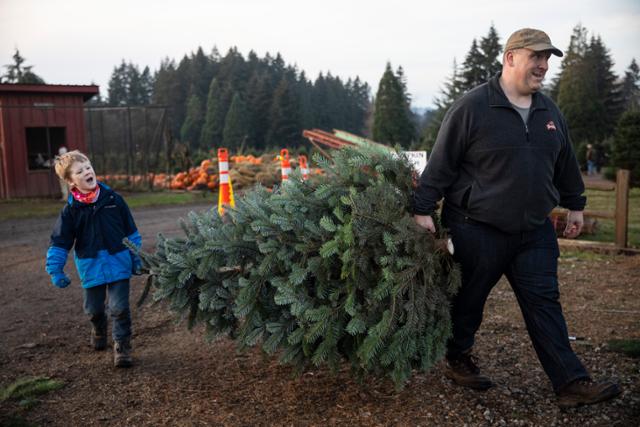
x: 94, y: 222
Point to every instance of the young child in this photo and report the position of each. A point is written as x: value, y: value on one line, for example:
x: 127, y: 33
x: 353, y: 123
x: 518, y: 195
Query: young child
x: 94, y: 222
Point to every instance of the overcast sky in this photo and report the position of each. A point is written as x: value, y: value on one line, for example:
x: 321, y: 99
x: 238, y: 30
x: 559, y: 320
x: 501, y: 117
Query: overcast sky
x: 80, y: 41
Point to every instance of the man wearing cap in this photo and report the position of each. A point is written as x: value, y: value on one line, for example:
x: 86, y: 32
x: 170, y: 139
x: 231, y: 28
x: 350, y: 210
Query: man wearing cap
x: 502, y: 161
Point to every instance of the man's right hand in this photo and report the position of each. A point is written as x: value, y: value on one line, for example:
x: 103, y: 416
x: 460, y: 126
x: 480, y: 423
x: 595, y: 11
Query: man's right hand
x: 425, y: 221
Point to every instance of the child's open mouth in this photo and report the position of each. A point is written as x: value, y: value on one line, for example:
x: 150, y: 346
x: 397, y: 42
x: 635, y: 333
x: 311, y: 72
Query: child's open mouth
x: 90, y: 180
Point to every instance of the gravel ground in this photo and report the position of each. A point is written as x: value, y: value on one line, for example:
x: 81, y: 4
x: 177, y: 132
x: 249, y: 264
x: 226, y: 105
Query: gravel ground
x: 179, y: 379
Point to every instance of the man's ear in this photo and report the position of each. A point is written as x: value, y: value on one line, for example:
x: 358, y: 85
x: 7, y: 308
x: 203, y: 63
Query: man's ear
x: 508, y: 58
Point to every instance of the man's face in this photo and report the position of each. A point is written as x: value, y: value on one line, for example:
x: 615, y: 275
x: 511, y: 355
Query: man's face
x: 529, y: 69
x: 82, y: 177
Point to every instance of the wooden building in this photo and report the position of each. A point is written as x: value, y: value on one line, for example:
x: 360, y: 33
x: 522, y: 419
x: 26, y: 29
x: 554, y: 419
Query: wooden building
x: 35, y: 122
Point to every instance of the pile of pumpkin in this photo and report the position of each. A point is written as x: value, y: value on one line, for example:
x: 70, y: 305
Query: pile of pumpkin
x: 158, y: 180
x: 204, y: 176
x: 244, y: 171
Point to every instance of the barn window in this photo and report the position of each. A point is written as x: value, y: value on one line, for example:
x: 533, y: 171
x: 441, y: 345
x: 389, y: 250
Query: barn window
x: 43, y: 144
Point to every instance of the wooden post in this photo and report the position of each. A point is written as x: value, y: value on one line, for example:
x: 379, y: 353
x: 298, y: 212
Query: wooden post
x: 622, y: 207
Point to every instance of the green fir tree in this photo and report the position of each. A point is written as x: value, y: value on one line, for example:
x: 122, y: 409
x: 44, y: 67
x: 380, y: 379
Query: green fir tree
x: 19, y: 73
x: 392, y: 123
x: 192, y: 126
x: 236, y: 126
x: 626, y: 145
x: 631, y: 87
x: 320, y: 272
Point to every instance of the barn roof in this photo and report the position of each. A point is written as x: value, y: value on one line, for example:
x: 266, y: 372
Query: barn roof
x: 86, y: 91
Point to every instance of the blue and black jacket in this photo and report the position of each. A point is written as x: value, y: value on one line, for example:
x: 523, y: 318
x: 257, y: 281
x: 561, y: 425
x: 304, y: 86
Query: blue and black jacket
x: 96, y: 231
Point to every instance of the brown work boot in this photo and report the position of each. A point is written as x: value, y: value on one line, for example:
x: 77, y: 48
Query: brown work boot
x: 122, y: 354
x: 584, y: 391
x: 463, y: 371
x: 99, y: 336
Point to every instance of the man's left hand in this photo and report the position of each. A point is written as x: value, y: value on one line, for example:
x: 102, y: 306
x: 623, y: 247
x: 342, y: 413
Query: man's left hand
x: 575, y: 221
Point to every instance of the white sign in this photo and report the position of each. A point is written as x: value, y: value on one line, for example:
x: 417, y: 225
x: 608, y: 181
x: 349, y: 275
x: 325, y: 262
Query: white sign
x: 418, y: 159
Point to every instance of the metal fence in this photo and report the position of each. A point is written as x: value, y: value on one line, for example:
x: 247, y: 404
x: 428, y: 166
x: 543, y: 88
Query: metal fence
x: 129, y: 146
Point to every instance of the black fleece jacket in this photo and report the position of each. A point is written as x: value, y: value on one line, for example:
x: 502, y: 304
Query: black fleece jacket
x: 491, y: 167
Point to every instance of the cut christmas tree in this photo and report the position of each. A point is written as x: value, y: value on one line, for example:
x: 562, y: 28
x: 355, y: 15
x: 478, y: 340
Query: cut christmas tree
x: 322, y: 271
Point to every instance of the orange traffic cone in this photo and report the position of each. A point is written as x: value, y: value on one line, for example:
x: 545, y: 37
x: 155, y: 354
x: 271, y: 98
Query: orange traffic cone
x: 304, y: 169
x: 285, y: 164
x: 225, y: 195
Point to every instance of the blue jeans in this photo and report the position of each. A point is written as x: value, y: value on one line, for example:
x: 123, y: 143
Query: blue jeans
x: 529, y: 260
x: 118, y: 307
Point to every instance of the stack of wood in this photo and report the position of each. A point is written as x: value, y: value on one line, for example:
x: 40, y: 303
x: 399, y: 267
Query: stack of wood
x: 246, y: 171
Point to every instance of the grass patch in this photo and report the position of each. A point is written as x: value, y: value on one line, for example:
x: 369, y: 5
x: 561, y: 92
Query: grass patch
x: 630, y: 347
x: 42, y: 208
x: 599, y: 200
x: 589, y: 256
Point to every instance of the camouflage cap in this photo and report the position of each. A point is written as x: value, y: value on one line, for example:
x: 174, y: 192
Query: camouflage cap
x: 533, y: 39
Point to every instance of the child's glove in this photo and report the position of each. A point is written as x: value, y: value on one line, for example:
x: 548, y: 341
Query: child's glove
x: 60, y: 280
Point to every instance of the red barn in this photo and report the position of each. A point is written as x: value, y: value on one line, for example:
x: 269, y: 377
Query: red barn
x: 35, y: 121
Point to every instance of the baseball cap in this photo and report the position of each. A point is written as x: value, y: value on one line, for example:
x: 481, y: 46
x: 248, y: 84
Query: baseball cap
x: 533, y: 39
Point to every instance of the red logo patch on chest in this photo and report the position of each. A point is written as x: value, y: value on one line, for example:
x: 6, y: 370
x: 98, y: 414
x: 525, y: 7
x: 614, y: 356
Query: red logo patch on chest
x: 551, y: 125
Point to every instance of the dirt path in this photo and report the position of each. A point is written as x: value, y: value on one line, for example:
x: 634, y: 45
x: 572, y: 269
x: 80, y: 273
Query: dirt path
x: 179, y: 379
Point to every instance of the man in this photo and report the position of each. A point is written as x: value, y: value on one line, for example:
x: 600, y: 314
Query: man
x: 502, y: 161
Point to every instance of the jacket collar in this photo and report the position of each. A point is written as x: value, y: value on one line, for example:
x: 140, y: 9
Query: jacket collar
x: 497, y: 98
x: 105, y: 191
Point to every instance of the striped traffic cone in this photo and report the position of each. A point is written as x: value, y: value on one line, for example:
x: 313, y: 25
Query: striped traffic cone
x: 304, y: 169
x: 225, y: 195
x: 285, y: 164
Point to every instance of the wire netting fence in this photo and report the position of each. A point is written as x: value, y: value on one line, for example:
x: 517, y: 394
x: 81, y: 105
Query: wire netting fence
x: 132, y: 147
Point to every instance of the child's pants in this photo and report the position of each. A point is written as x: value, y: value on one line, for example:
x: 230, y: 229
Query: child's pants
x: 118, y: 306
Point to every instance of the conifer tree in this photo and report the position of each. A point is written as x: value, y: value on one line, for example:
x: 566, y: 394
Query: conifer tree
x: 216, y: 112
x: 573, y: 55
x: 491, y: 49
x: 146, y: 86
x: 392, y: 122
x: 19, y: 73
x: 481, y: 63
x: 260, y: 95
x: 608, y: 90
x: 236, y: 125
x: 631, y: 87
x: 472, y: 73
x: 587, y: 93
x: 451, y: 91
x: 626, y: 145
x: 284, y: 117
x: 255, y: 79
x: 118, y: 83
x: 322, y: 272
x: 192, y: 126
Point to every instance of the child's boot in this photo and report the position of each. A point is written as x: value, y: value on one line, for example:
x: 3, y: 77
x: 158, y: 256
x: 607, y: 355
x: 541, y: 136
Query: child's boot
x: 99, y: 333
x: 122, y: 354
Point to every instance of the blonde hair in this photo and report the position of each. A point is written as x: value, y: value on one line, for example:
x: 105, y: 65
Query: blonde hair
x: 63, y: 162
